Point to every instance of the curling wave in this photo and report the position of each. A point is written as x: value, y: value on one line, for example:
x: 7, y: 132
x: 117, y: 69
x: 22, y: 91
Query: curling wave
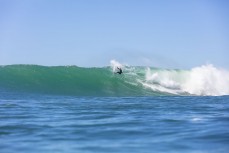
x: 135, y: 81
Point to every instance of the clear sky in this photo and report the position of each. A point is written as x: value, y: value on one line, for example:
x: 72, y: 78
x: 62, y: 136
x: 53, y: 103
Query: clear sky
x: 161, y: 33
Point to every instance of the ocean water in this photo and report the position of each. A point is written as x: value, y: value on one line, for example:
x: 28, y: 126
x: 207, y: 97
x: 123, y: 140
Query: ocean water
x: 66, y: 124
x: 68, y: 109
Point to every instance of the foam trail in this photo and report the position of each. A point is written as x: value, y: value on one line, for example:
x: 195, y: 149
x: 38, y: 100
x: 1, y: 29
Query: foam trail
x: 205, y: 80
x: 168, y: 81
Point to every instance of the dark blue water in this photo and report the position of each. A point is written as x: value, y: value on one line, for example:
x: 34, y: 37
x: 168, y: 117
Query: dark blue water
x: 60, y: 124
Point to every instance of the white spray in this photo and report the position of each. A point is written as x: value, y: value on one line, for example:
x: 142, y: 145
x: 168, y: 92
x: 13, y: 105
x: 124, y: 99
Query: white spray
x: 115, y: 64
x: 203, y: 80
x: 207, y: 80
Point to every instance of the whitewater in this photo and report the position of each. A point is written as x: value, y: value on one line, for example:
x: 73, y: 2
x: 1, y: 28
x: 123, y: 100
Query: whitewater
x: 68, y: 109
x: 205, y: 80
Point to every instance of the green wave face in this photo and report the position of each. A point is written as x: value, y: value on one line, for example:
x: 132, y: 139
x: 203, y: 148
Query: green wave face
x: 70, y: 80
x: 135, y: 81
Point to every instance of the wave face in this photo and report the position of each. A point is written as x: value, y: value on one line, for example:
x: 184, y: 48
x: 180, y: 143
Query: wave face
x: 135, y: 81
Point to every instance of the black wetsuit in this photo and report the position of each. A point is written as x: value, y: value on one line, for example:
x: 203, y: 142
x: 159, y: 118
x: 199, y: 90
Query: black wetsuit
x: 120, y: 71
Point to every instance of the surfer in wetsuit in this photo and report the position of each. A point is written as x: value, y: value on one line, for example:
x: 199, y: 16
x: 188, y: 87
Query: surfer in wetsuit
x: 120, y: 70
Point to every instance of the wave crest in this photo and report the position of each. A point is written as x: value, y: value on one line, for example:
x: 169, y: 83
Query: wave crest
x: 135, y: 81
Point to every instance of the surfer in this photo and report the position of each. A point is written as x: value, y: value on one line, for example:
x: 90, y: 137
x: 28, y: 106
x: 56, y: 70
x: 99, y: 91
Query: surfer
x: 120, y: 70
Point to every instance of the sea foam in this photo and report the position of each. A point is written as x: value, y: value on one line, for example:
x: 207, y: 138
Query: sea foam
x: 205, y: 80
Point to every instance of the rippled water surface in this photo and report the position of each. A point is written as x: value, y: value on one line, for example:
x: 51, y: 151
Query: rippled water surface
x: 38, y: 123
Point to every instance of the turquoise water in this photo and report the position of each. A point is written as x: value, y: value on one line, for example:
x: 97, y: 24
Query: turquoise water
x: 69, y: 109
x: 69, y: 124
x: 135, y: 81
x: 73, y: 80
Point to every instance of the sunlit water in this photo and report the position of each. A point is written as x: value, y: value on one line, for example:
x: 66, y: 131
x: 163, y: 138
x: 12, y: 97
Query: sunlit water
x: 63, y: 124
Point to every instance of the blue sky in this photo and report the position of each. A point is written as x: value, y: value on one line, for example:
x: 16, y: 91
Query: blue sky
x: 161, y: 33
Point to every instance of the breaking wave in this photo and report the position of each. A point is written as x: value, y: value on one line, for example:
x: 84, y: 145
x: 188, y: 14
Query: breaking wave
x: 205, y: 80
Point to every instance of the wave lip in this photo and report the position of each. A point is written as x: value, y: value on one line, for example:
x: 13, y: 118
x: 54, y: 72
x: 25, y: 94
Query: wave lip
x: 67, y: 80
x: 135, y: 81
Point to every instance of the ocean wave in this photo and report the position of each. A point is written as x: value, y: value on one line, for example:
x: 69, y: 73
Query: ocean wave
x: 205, y: 80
